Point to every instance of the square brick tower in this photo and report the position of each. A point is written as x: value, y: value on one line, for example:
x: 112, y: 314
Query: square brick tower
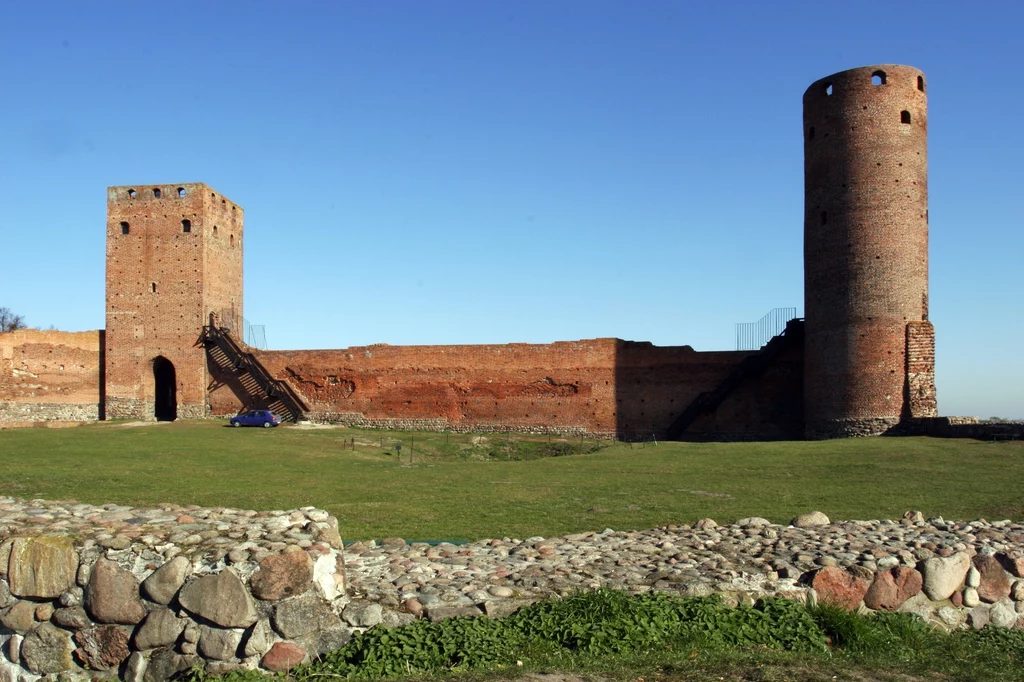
x: 174, y: 257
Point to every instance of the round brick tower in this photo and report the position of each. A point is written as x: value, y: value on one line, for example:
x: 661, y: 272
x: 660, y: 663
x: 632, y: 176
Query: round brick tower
x: 865, y: 248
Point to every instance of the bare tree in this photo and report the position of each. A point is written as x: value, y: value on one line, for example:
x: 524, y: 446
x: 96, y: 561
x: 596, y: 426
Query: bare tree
x: 10, y: 322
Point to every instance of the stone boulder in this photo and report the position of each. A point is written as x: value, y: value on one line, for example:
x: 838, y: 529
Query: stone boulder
x: 42, y: 567
x: 259, y: 639
x: 994, y: 583
x: 302, y: 615
x: 160, y: 628
x: 20, y: 618
x: 1003, y: 614
x: 283, y: 656
x: 165, y: 664
x: 810, y: 520
x: 6, y: 599
x: 363, y: 614
x: 944, y: 575
x: 112, y: 595
x: 47, y: 649
x: 221, y: 598
x: 72, y: 618
x: 835, y: 586
x: 282, y: 575
x: 102, y: 648
x: 892, y: 588
x: 1013, y: 562
x: 219, y: 644
x: 164, y: 583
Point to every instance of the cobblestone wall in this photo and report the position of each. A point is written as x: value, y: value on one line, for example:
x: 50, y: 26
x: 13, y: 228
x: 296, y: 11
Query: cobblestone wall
x: 143, y: 594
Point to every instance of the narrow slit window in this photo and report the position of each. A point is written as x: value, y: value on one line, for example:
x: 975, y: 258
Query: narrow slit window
x: 156, y: 193
x: 125, y: 228
x: 186, y: 225
x: 905, y: 116
x: 920, y: 83
x: 232, y: 240
x: 152, y: 287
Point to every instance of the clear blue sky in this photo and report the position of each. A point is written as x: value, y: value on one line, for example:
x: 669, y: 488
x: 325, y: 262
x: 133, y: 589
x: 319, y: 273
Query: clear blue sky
x: 490, y: 172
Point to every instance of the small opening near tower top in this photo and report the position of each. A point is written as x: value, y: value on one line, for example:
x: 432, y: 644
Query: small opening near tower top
x: 186, y: 225
x: 904, y: 116
x: 156, y: 193
x: 181, y: 192
x: 131, y: 194
x: 920, y: 83
x: 125, y: 228
x: 878, y: 78
x: 828, y: 89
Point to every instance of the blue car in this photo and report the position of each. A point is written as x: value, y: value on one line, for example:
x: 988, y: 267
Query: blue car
x: 264, y: 418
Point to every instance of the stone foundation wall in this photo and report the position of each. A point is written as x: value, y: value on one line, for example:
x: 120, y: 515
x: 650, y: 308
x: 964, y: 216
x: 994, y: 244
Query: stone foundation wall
x: 129, y: 408
x: 851, y: 428
x: 142, y: 594
x: 30, y: 413
x: 358, y: 420
x: 145, y: 593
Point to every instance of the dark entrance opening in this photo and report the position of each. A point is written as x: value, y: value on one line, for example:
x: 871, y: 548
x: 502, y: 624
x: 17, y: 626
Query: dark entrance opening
x: 166, y: 395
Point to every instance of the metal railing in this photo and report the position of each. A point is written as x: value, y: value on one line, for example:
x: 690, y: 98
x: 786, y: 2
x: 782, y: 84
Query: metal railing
x: 754, y: 335
x: 254, y: 335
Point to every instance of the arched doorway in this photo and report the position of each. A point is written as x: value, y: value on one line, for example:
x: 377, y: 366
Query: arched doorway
x: 166, y: 394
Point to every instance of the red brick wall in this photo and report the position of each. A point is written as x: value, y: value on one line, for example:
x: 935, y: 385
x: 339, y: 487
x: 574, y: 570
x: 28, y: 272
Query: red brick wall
x: 605, y: 386
x: 654, y: 384
x: 50, y: 375
x: 162, y: 284
x: 865, y: 244
x: 766, y: 407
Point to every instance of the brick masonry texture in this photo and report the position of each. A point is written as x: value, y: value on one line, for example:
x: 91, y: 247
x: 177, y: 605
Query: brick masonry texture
x: 50, y: 376
x: 921, y: 370
x: 598, y: 386
x: 865, y: 243
x: 174, y: 256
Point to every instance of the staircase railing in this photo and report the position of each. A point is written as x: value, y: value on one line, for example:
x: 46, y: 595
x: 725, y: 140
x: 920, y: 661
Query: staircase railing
x: 243, y: 361
x: 752, y: 365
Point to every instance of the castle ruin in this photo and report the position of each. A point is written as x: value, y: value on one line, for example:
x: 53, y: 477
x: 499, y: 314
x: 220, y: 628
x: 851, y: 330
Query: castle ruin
x: 861, y: 363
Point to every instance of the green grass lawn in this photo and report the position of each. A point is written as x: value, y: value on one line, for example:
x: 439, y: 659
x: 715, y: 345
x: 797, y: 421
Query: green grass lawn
x: 455, y: 489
